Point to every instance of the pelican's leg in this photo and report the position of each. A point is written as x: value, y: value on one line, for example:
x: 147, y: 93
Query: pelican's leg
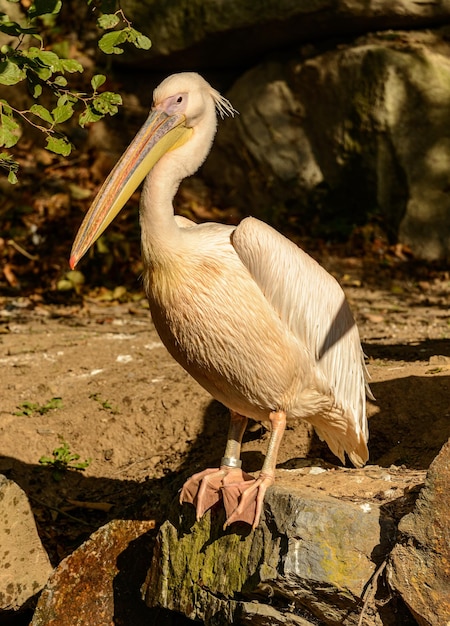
x: 251, y: 495
x: 203, y: 490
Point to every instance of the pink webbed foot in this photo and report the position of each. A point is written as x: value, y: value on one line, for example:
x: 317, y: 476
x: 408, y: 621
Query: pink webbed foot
x: 206, y: 488
x: 243, y: 502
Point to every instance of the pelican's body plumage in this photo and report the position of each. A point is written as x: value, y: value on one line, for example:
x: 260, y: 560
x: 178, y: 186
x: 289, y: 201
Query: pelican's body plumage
x: 255, y: 320
x: 232, y: 335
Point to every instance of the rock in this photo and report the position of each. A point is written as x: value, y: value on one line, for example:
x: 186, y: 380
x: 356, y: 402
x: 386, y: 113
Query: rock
x: 98, y: 584
x: 311, y: 557
x: 187, y: 34
x: 419, y: 566
x: 331, y: 138
x: 24, y: 564
x: 439, y: 359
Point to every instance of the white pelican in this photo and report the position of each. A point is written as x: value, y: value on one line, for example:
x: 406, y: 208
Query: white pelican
x: 254, y: 319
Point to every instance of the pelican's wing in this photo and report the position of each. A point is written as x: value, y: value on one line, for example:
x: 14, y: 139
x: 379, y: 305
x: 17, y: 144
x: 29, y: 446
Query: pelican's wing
x: 313, y: 306
x: 184, y: 222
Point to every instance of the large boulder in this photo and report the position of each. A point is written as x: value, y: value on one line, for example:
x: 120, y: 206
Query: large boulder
x: 311, y: 558
x: 419, y: 566
x: 336, y: 137
x: 24, y: 564
x: 203, y: 34
x: 98, y: 583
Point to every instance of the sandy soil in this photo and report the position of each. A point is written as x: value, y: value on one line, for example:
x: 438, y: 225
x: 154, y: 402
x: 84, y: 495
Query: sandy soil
x: 146, y: 425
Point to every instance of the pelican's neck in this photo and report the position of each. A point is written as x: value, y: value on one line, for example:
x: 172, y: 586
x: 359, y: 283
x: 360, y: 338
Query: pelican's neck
x: 160, y: 235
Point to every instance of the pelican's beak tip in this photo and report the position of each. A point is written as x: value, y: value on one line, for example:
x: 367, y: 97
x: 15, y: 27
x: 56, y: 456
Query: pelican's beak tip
x: 72, y: 262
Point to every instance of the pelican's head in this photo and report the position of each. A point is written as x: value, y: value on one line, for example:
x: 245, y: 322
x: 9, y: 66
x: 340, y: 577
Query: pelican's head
x: 190, y: 95
x: 184, y: 109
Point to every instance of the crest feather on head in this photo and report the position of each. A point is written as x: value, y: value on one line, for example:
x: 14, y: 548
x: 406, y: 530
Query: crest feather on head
x: 223, y: 106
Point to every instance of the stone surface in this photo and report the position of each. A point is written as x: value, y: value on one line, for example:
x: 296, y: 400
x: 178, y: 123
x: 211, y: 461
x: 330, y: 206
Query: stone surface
x: 24, y: 564
x: 98, y: 584
x: 332, y: 138
x: 311, y: 558
x: 419, y: 566
x: 187, y: 34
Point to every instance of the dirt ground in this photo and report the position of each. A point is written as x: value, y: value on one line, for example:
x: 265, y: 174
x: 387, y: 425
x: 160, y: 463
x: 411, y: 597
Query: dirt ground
x: 96, y: 376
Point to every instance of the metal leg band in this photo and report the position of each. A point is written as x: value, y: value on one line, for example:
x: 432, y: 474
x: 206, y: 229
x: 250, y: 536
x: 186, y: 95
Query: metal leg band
x: 231, y: 461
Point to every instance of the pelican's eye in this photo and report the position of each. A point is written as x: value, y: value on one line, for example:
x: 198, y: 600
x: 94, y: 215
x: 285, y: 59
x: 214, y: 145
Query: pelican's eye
x: 176, y: 104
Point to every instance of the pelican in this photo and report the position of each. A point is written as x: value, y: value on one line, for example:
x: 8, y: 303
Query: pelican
x: 252, y: 318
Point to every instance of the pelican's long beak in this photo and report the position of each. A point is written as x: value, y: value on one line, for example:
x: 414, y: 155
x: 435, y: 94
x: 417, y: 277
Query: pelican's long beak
x: 158, y: 135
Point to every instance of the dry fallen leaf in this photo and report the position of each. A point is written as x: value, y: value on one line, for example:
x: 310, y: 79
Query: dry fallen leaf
x: 96, y: 506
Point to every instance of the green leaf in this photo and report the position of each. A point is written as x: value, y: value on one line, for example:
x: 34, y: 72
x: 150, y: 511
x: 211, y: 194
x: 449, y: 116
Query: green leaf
x: 70, y: 65
x: 9, y: 130
x: 138, y: 39
x: 107, y: 102
x: 89, y: 116
x: 10, y: 73
x: 62, y: 113
x: 8, y: 162
x: 36, y: 90
x: 12, y: 178
x: 27, y: 408
x: 5, y: 108
x: 143, y: 42
x: 60, y: 145
x: 44, y: 73
x: 60, y: 81
x: 46, y: 58
x: 109, y: 43
x: 33, y: 83
x: 42, y: 112
x: 46, y: 460
x: 108, y: 21
x: 53, y: 403
x: 65, y: 98
x: 97, y: 81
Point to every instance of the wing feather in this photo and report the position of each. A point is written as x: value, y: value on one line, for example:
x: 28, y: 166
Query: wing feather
x: 313, y: 306
x: 184, y: 222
